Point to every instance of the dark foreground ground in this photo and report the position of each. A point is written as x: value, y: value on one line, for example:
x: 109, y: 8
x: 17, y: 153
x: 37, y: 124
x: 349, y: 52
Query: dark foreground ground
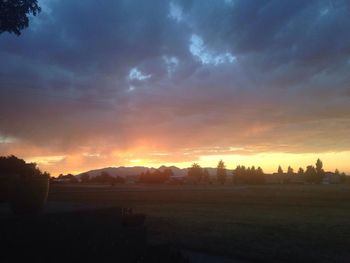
x: 72, y: 232
x: 253, y: 223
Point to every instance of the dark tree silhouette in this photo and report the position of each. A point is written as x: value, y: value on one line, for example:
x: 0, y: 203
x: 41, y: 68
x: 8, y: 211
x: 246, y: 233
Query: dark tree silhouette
x: 221, y: 172
x: 260, y: 171
x: 300, y: 172
x: 311, y: 175
x: 157, y: 177
x: 14, y: 14
x: 248, y: 176
x: 287, y: 178
x: 341, y: 176
x: 103, y: 178
x: 13, y: 166
x: 319, y: 168
x: 239, y: 175
x: 280, y: 170
x: 70, y: 178
x: 196, y: 172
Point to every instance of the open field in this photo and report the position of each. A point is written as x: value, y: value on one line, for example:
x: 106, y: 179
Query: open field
x: 252, y: 223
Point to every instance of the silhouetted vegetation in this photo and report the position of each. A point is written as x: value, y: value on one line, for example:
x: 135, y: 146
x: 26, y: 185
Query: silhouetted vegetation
x: 280, y: 170
x: 12, y: 166
x: 69, y: 178
x: 103, y: 178
x: 23, y: 185
x: 157, y: 177
x: 319, y: 168
x: 314, y: 175
x: 288, y: 177
x: 250, y: 175
x: 221, y: 172
x: 14, y: 14
x: 195, y: 173
x: 301, y: 172
x: 311, y: 175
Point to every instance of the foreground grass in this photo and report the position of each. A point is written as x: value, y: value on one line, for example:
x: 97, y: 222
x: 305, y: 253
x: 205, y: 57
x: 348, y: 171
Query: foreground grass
x: 260, y: 223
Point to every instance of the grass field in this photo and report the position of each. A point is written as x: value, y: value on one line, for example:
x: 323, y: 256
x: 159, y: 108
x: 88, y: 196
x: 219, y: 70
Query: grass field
x: 252, y: 223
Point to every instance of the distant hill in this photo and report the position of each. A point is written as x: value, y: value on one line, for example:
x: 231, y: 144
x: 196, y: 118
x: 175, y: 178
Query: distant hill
x: 137, y: 170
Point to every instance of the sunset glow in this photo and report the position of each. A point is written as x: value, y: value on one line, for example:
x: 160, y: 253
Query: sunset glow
x: 174, y: 83
x: 268, y: 161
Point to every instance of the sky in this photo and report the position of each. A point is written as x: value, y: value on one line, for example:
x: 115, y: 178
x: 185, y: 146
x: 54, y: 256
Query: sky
x: 94, y: 84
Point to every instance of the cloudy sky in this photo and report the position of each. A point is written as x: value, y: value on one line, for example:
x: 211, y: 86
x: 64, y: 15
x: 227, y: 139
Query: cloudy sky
x: 106, y: 83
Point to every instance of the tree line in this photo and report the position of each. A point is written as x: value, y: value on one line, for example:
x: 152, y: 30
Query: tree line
x: 241, y: 175
x: 103, y: 178
x: 251, y: 175
x: 148, y: 177
x: 312, y: 174
x: 155, y: 177
x: 197, y: 174
x: 85, y: 178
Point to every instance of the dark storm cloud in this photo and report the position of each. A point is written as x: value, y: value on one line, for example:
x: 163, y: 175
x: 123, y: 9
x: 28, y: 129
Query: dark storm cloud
x: 112, y: 72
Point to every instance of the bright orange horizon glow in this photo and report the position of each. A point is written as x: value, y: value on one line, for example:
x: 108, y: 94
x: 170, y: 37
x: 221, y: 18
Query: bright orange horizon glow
x: 268, y: 161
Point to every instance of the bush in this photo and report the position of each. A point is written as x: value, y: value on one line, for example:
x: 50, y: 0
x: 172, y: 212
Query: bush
x: 23, y: 185
x: 12, y: 166
x: 248, y: 175
x: 157, y: 177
